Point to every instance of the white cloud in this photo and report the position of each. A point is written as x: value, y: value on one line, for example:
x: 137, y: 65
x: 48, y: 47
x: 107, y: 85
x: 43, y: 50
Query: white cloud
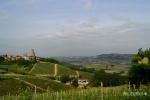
x: 88, y: 5
x: 89, y: 38
x: 91, y: 29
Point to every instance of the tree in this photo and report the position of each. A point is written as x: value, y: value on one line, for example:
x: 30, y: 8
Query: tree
x: 1, y: 59
x: 139, y: 73
x: 75, y: 82
x: 51, y: 60
x: 108, y: 79
x: 65, y: 78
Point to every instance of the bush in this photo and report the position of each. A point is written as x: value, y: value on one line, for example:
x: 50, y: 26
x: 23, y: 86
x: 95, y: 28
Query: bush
x: 65, y: 78
x: 139, y: 73
x: 49, y: 60
x: 108, y: 79
x: 75, y: 82
x: 2, y: 59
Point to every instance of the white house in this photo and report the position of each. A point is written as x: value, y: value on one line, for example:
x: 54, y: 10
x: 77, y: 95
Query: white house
x: 83, y: 83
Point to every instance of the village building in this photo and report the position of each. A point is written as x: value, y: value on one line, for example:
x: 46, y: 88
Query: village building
x: 83, y: 83
x: 18, y: 57
x: 26, y: 58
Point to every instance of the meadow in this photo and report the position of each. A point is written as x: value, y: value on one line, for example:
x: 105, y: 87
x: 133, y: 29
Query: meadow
x: 47, y: 68
x: 110, y: 68
x: 100, y: 93
x: 36, y: 84
x: 14, y: 79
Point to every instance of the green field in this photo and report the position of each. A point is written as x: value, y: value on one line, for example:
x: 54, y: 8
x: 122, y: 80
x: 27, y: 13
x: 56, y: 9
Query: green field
x: 110, y: 69
x: 100, y: 93
x: 48, y: 69
x: 12, y: 68
x: 15, y: 86
x: 13, y: 82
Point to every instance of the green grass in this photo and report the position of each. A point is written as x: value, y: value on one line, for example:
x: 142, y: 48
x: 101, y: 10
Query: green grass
x: 13, y: 68
x: 14, y: 87
x: 43, y: 68
x: 11, y: 86
x: 115, y: 69
x: 48, y: 68
x: 100, y: 93
x: 47, y: 84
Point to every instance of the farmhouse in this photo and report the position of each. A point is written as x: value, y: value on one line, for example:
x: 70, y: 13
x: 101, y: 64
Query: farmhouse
x: 83, y: 83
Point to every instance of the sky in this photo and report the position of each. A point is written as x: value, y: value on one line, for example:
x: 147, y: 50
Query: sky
x: 74, y: 27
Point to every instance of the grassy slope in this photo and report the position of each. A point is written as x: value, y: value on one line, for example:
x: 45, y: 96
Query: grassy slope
x: 11, y: 86
x: 115, y: 68
x: 48, y: 68
x: 106, y: 93
x: 43, y: 68
x: 47, y: 84
x: 14, y: 86
x: 13, y: 68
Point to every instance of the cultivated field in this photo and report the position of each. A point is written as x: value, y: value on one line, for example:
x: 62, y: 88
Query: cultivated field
x: 100, y: 93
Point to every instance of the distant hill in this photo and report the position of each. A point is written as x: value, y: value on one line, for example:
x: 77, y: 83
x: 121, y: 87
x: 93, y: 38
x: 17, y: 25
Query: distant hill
x: 103, y: 58
x: 115, y: 58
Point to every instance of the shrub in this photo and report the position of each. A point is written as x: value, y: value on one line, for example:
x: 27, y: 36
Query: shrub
x: 108, y: 79
x: 65, y: 78
x: 139, y: 73
x: 75, y: 82
x: 49, y: 60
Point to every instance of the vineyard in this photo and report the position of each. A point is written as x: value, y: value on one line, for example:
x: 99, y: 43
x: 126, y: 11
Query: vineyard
x: 100, y: 93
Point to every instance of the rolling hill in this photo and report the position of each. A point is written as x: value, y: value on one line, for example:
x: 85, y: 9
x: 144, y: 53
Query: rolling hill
x: 48, y: 68
x: 15, y: 86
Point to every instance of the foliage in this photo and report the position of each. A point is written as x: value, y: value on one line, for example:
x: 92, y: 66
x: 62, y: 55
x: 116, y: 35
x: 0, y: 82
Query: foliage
x: 75, y: 82
x: 139, y: 73
x: 78, y: 67
x: 23, y: 64
x: 108, y: 79
x: 27, y: 92
x: 16, y: 87
x: 48, y: 68
x: 101, y: 93
x: 65, y: 78
x: 1, y: 59
x: 51, y: 60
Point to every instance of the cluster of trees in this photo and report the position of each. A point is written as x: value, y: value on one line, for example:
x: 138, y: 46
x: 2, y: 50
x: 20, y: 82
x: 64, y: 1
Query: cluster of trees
x: 2, y: 59
x: 108, y: 79
x: 51, y: 60
x: 78, y: 67
x: 24, y: 63
x: 139, y: 73
x: 66, y: 78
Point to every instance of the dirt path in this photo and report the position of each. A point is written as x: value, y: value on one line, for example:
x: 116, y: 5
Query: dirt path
x: 33, y: 68
x: 30, y: 84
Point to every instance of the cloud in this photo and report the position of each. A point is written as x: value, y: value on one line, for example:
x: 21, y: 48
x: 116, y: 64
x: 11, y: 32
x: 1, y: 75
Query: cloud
x: 91, y: 28
x: 88, y: 5
x: 90, y: 37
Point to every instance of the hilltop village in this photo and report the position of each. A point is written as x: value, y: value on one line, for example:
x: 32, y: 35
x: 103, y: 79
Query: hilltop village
x: 33, y: 60
x: 31, y: 56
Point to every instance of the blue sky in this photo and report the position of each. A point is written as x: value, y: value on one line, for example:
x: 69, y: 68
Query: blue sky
x: 74, y: 27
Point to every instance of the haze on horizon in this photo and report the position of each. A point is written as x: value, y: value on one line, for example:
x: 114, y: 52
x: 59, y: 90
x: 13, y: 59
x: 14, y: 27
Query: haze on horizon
x: 74, y: 27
